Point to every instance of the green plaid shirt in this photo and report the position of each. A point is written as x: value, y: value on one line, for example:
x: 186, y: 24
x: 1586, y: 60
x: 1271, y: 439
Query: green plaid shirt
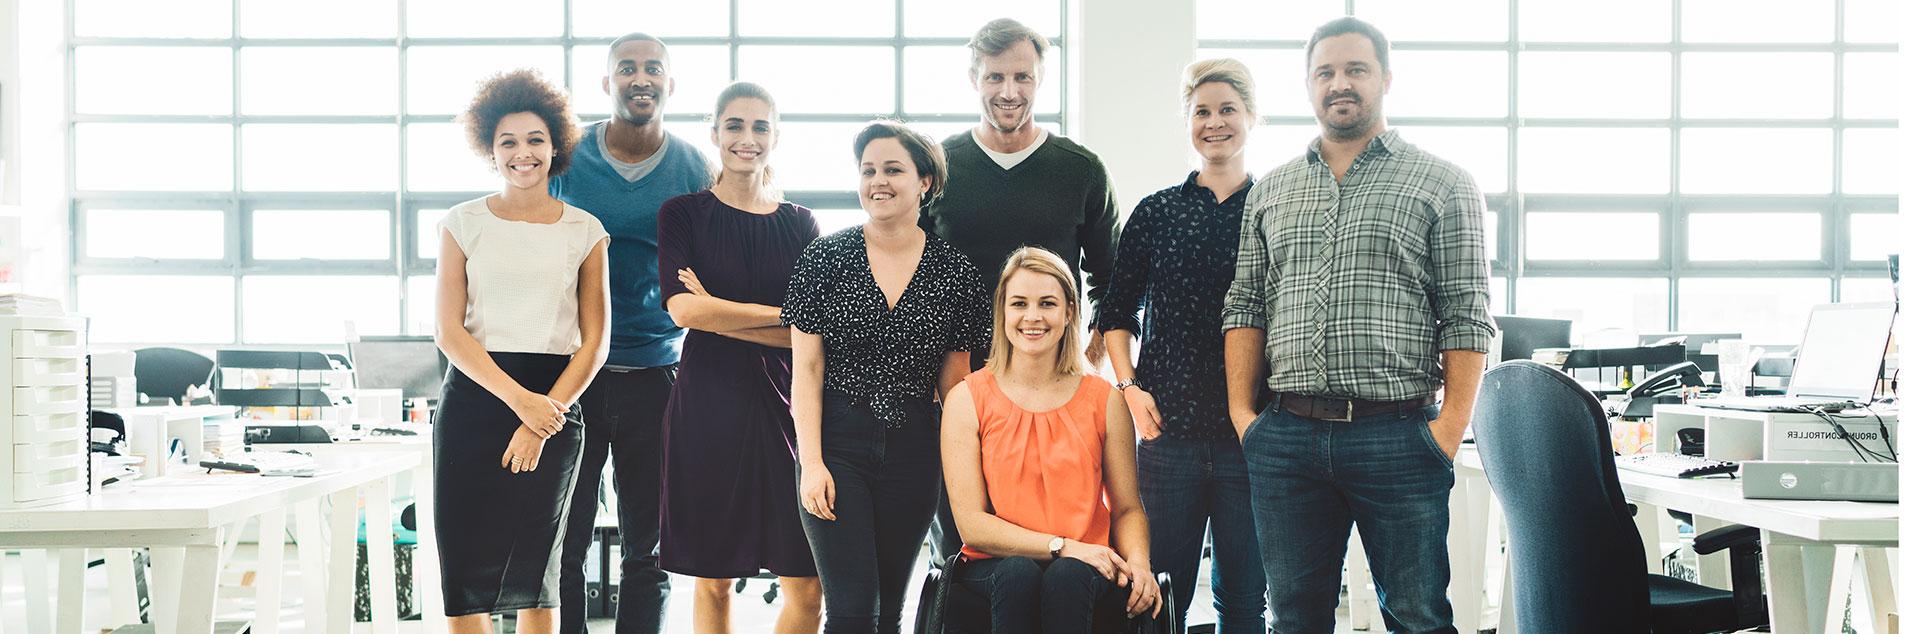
x: 1360, y: 284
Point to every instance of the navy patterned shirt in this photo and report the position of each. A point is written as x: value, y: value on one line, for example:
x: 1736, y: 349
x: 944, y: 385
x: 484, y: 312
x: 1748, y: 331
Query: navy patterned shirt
x: 1176, y: 259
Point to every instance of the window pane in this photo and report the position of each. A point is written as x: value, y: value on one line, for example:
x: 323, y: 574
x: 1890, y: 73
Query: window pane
x: 1279, y: 79
x: 614, y: 18
x: 443, y: 79
x: 1866, y: 289
x: 937, y: 82
x: 319, y: 157
x: 698, y: 73
x: 1873, y: 21
x: 1872, y: 85
x: 421, y: 296
x: 146, y: 18
x: 427, y: 225
x: 483, y: 18
x: 1747, y: 237
x: 1269, y: 146
x: 848, y: 18
x: 439, y: 160
x: 1259, y: 19
x: 174, y: 80
x: 832, y: 220
x: 167, y: 234
x: 1497, y: 295
x: 1419, y: 20
x: 1481, y: 151
x: 1596, y: 304
x: 1622, y: 21
x: 792, y: 74
x: 1594, y: 160
x: 1756, y: 85
x: 1598, y: 85
x: 199, y: 156
x: 816, y: 156
x: 942, y: 18
x: 1449, y: 84
x: 1767, y: 311
x: 199, y: 309
x: 356, y: 80
x: 1872, y: 161
x: 1490, y: 224
x: 321, y: 234
x: 335, y: 18
x: 282, y: 309
x: 1756, y: 20
x: 1873, y: 236
x: 1737, y: 161
x: 700, y: 135
x: 1613, y: 236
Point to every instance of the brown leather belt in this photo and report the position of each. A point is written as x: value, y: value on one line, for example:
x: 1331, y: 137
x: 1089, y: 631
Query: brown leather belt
x: 1340, y: 410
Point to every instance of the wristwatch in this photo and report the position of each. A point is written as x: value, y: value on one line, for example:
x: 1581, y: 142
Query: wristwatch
x: 1056, y: 545
x: 1123, y: 385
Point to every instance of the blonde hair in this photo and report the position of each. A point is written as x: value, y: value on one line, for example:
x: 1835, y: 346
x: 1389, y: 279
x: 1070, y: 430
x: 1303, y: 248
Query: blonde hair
x: 1225, y: 70
x: 1037, y: 260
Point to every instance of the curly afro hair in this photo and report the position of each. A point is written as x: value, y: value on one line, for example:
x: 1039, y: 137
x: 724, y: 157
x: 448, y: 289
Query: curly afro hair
x: 522, y: 90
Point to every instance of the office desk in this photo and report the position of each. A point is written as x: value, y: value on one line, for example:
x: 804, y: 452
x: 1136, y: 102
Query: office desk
x: 1809, y: 546
x: 184, y: 519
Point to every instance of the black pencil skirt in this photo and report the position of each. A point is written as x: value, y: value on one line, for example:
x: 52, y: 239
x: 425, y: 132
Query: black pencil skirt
x: 498, y: 531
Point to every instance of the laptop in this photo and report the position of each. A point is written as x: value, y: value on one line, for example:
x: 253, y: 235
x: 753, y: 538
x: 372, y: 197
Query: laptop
x: 1839, y: 363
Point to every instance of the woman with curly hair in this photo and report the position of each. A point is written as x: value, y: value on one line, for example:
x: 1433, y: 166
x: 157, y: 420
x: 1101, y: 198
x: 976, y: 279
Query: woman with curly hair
x: 522, y: 314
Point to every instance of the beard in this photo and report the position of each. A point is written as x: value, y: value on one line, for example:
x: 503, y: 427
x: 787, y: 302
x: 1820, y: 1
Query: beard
x: 993, y: 118
x: 626, y: 111
x: 1354, y: 126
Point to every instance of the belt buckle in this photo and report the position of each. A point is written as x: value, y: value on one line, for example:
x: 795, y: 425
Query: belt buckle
x: 1349, y: 417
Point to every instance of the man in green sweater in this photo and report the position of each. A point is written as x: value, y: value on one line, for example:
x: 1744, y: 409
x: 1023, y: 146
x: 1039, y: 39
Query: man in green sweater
x: 1011, y: 184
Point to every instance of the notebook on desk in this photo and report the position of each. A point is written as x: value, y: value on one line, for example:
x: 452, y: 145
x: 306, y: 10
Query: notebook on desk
x: 1839, y: 362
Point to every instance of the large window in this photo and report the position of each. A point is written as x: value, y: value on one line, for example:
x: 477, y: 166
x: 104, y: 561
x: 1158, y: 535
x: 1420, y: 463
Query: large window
x: 263, y: 172
x: 1658, y: 164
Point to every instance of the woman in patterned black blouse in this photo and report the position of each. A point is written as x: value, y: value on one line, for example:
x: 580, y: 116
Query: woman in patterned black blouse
x: 1176, y: 258
x: 883, y: 315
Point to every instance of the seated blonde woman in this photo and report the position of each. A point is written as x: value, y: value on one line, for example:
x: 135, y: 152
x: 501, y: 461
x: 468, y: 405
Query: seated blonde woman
x: 1039, y: 465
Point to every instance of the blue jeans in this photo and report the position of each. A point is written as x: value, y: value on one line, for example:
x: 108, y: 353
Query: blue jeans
x: 1185, y: 485
x: 1313, y: 481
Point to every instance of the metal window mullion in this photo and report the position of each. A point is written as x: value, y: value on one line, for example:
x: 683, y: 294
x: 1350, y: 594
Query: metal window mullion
x: 1836, y: 238
x: 900, y: 59
x: 73, y: 211
x: 403, y: 227
x: 1516, y: 211
x: 1675, y: 236
x: 241, y: 240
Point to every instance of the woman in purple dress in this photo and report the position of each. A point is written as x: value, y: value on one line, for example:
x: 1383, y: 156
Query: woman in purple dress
x: 727, y: 507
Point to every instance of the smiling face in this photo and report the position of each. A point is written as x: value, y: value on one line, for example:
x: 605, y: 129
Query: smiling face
x: 1347, y: 86
x: 746, y: 134
x: 1007, y: 83
x: 1218, y: 121
x: 523, y: 150
x: 1034, y: 313
x: 890, y: 186
x: 637, y: 80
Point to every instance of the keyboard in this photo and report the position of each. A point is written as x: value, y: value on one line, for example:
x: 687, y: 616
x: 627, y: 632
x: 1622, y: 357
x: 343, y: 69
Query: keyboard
x: 272, y: 463
x: 1675, y: 465
x: 1776, y: 403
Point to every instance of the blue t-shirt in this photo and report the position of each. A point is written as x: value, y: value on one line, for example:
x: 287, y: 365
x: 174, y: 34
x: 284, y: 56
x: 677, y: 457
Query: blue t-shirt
x: 644, y: 335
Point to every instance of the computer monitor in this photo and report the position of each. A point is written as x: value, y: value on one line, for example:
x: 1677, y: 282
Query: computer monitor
x: 1841, y: 354
x: 1696, y: 342
x: 1520, y: 336
x: 412, y: 365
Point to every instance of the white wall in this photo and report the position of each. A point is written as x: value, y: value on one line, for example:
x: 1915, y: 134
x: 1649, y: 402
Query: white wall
x: 33, y: 137
x: 1127, y: 60
x: 9, y: 102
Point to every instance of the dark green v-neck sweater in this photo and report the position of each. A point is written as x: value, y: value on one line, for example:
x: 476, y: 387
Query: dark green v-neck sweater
x: 1058, y: 198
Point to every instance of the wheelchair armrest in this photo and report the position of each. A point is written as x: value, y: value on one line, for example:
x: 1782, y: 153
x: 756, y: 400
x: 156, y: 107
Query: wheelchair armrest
x: 1725, y: 537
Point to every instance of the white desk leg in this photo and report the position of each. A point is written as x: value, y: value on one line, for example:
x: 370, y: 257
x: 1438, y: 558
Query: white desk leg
x: 163, y: 586
x: 1363, y: 606
x: 1838, y: 588
x: 313, y: 572
x: 1879, y: 588
x: 3, y: 586
x: 1796, y: 573
x: 1715, y: 569
x: 1649, y: 520
x: 70, y: 589
x: 1468, y: 514
x: 199, y: 586
x: 426, y: 552
x: 272, y: 569
x: 343, y: 517
x: 122, y: 598
x: 380, y: 575
x: 34, y: 565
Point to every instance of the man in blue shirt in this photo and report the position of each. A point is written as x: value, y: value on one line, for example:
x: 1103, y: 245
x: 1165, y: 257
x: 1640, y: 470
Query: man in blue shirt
x: 623, y: 169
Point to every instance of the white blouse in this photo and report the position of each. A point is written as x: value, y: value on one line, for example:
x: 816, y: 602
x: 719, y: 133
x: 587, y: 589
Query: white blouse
x: 523, y: 278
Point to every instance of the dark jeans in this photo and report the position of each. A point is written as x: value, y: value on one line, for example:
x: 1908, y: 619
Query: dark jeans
x: 1056, y: 597
x: 622, y: 411
x: 1191, y: 487
x: 885, y: 484
x: 1313, y: 481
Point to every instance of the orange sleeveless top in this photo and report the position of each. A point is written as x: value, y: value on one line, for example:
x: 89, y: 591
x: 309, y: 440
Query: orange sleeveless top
x: 1044, y: 470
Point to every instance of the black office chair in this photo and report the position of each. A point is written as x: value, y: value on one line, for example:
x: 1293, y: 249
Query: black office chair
x: 963, y: 611
x: 1578, y: 565
x: 166, y: 373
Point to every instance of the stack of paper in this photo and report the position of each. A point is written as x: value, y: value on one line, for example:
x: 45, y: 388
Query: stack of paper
x: 23, y: 304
